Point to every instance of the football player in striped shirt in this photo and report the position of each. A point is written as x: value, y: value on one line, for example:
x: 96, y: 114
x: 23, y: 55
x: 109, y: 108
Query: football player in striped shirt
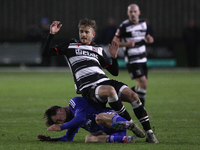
x: 132, y: 35
x: 86, y: 61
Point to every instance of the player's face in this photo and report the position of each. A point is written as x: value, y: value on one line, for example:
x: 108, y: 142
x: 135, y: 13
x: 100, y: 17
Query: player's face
x: 86, y: 34
x: 60, y: 117
x: 133, y: 13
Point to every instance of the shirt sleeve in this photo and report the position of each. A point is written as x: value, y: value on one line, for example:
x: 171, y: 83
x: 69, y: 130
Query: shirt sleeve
x: 77, y: 121
x: 69, y: 136
x: 113, y: 68
x: 120, y: 31
x: 49, y: 50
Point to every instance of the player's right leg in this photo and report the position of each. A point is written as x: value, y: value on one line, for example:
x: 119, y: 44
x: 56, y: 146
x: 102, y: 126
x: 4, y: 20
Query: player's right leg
x: 130, y: 126
x: 138, y: 71
x: 108, y: 92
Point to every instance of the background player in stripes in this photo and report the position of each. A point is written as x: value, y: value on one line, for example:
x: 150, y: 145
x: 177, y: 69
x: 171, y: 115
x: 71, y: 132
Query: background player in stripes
x: 132, y: 34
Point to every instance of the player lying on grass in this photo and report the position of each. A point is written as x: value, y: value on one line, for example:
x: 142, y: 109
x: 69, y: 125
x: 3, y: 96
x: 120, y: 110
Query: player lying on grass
x: 104, y: 125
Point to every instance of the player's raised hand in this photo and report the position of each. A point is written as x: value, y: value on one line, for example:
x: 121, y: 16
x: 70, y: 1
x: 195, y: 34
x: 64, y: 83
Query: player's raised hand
x: 54, y: 127
x: 114, y: 49
x: 55, y: 27
x: 42, y: 137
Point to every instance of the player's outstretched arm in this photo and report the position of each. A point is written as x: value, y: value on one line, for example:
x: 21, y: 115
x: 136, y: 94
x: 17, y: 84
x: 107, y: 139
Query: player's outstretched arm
x: 54, y: 127
x: 55, y: 27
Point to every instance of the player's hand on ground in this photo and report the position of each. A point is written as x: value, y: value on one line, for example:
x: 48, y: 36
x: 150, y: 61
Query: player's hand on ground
x: 54, y: 127
x: 55, y: 27
x: 114, y: 49
x: 42, y: 137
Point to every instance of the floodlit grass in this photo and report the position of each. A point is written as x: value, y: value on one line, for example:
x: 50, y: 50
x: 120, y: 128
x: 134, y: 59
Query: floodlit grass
x: 172, y: 101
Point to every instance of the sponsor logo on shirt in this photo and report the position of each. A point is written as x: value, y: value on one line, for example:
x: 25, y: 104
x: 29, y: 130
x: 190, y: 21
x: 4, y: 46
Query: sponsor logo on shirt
x: 85, y: 53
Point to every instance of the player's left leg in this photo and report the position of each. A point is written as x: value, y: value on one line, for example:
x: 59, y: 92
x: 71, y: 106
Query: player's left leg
x: 101, y: 137
x: 104, y: 119
x: 97, y: 137
x: 116, y: 122
x: 128, y: 95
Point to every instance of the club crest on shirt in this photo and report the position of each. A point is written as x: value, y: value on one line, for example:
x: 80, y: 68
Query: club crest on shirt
x: 94, y: 49
x: 142, y: 26
x: 88, y: 124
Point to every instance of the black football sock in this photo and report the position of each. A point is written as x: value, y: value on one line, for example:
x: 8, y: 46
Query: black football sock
x: 142, y: 101
x: 141, y: 114
x: 133, y: 89
x: 120, y: 109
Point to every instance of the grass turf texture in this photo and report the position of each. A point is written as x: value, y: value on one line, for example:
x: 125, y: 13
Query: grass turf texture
x: 172, y: 102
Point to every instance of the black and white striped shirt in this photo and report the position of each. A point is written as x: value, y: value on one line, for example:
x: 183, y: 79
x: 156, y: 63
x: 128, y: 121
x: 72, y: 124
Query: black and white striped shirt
x: 85, y: 61
x: 129, y: 31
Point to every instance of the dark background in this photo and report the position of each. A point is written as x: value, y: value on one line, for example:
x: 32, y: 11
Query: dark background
x: 168, y: 19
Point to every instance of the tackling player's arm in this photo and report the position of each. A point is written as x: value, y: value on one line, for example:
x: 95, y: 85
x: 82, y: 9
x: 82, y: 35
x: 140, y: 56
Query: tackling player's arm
x: 113, y: 68
x: 47, y: 49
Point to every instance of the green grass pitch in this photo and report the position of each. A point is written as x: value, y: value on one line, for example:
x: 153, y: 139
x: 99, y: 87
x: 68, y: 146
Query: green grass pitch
x: 173, y: 101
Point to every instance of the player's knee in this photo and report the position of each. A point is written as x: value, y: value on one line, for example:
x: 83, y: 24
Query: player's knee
x: 134, y: 96
x: 99, y: 118
x: 112, y: 95
x: 108, y: 90
x: 111, y: 91
x: 129, y: 95
x: 136, y: 101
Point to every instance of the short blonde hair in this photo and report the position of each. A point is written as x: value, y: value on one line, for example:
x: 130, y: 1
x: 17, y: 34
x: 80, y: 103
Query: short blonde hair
x: 87, y: 22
